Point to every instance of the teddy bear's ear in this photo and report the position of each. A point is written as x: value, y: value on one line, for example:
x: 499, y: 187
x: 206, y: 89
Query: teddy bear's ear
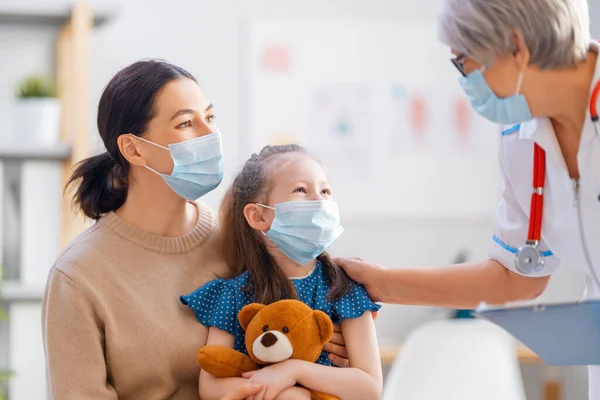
x: 325, y: 326
x: 247, y: 313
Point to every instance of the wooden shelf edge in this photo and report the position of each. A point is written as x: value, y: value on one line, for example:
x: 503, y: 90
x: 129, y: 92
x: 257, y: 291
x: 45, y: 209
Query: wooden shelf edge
x: 18, y: 152
x: 16, y: 291
x: 50, y: 13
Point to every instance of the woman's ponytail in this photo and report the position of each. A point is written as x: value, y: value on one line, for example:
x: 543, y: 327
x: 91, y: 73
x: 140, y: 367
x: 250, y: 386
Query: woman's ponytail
x: 100, y: 188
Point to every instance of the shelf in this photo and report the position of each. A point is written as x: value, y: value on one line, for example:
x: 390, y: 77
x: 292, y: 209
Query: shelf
x: 53, y: 13
x: 18, y: 152
x: 15, y: 291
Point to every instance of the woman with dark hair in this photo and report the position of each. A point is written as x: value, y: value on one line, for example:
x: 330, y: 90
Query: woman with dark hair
x: 113, y: 324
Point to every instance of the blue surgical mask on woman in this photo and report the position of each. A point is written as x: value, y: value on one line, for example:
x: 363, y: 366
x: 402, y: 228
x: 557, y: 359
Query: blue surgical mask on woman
x: 198, y: 165
x: 302, y: 230
x: 507, y: 110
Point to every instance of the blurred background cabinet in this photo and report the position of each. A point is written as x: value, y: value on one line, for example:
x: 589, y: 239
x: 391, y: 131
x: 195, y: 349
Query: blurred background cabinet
x: 50, y: 39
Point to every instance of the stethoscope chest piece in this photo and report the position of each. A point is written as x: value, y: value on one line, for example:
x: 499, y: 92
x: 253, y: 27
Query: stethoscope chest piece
x: 528, y: 259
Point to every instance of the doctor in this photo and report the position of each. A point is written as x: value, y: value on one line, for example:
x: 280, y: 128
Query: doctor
x: 531, y: 67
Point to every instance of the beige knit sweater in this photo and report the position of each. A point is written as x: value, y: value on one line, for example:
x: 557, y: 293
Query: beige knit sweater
x: 113, y: 324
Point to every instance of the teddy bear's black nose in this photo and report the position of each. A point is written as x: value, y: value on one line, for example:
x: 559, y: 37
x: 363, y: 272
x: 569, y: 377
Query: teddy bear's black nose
x: 268, y: 339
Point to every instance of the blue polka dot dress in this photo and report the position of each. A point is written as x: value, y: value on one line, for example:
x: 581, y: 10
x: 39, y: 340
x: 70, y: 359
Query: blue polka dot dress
x: 218, y: 303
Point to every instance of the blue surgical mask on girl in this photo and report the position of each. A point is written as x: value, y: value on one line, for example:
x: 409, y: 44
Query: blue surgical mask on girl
x: 302, y: 230
x: 508, y: 110
x: 198, y: 165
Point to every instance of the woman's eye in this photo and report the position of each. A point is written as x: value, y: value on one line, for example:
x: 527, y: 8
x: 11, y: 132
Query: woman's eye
x: 326, y: 191
x: 300, y: 190
x: 210, y: 119
x: 185, y: 124
x: 265, y: 328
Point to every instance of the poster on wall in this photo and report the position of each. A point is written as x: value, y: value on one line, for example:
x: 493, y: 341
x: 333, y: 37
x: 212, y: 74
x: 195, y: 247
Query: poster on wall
x: 340, y: 132
x: 379, y: 103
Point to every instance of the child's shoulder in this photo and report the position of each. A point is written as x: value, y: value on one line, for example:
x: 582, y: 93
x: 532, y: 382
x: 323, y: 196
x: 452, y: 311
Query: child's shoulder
x: 217, y: 302
x: 218, y: 287
x: 352, y: 304
x: 235, y: 283
x: 354, y: 288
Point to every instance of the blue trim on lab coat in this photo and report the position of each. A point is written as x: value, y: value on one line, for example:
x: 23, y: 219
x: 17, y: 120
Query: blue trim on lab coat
x: 512, y: 129
x: 514, y: 250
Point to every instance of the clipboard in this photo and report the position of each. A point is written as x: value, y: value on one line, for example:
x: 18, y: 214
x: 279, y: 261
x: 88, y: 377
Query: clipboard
x: 560, y: 334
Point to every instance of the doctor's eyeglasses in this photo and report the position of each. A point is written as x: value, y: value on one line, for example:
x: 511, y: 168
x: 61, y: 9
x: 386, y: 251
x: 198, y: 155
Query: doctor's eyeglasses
x: 457, y: 61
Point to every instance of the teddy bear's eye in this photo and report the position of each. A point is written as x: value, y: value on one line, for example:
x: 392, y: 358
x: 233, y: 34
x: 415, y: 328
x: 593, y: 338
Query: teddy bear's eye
x: 285, y: 329
x: 265, y: 328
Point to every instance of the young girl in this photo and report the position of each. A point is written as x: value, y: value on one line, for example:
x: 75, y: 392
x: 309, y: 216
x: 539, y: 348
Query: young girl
x: 277, y: 220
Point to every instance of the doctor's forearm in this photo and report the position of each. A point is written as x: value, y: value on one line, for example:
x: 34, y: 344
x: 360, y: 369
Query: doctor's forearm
x: 461, y: 286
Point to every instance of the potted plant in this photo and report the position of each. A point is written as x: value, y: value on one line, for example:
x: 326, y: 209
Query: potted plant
x: 37, y: 112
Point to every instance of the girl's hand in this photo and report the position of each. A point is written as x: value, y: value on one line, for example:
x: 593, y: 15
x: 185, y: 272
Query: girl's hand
x: 337, y: 348
x: 274, y: 379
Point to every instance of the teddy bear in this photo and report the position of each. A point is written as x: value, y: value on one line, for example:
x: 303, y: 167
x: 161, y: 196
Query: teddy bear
x: 286, y: 329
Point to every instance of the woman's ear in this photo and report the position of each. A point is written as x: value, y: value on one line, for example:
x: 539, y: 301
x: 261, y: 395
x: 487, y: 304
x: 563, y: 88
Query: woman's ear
x: 128, y: 148
x: 521, y: 52
x: 255, y: 217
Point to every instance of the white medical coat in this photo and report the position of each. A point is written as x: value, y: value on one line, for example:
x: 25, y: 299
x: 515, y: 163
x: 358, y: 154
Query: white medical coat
x: 561, y: 240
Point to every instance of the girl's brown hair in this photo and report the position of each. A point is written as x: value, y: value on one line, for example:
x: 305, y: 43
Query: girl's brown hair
x: 244, y: 249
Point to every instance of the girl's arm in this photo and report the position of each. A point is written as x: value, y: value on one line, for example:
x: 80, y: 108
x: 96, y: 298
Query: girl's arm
x: 362, y: 381
x: 209, y: 386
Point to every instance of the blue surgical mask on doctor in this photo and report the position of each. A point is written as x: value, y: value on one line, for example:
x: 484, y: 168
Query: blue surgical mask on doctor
x: 198, y: 165
x: 302, y: 230
x: 507, y: 110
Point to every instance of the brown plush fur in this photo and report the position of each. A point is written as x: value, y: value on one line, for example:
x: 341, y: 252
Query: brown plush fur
x: 307, y: 330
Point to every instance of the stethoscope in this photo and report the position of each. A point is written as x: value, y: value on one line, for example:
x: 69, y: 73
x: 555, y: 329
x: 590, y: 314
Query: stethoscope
x: 528, y: 258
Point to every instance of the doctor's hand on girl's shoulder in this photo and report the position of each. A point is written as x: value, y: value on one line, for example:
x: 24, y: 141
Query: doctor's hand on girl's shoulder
x: 372, y: 276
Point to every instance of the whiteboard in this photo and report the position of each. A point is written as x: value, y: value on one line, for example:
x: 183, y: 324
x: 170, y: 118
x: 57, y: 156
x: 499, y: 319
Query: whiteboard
x: 378, y: 102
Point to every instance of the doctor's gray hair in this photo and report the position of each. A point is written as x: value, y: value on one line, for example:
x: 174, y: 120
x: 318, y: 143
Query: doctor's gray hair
x: 556, y: 32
